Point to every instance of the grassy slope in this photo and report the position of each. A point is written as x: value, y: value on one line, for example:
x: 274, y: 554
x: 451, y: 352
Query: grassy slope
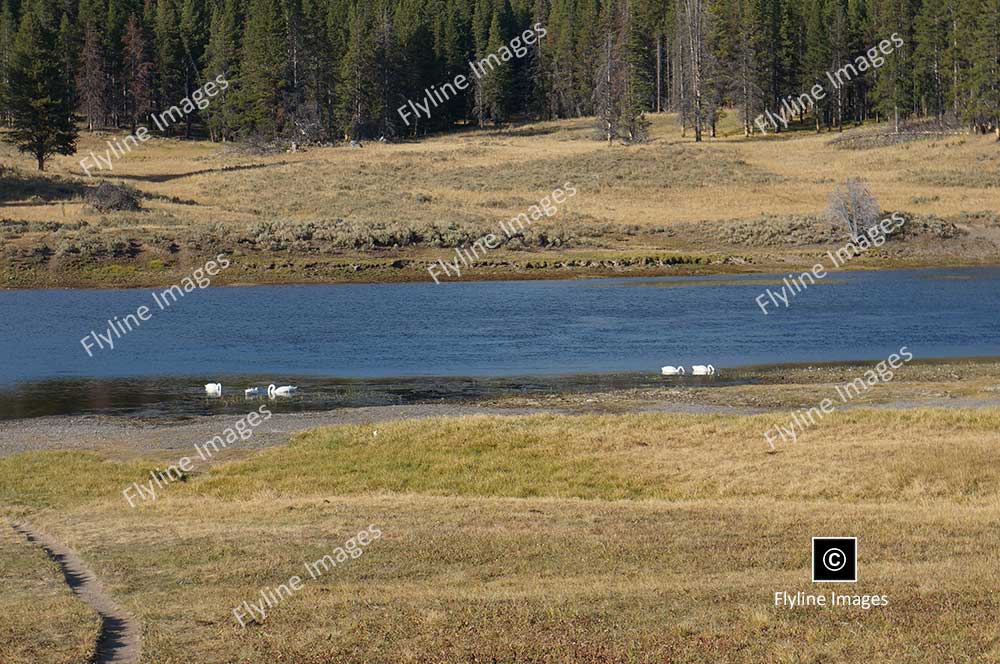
x: 670, y: 200
x: 554, y: 539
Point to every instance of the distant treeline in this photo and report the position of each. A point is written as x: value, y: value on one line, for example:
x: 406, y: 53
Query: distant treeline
x: 322, y: 70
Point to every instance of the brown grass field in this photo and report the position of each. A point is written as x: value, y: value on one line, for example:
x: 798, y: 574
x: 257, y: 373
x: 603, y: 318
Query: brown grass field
x: 385, y: 211
x: 549, y: 538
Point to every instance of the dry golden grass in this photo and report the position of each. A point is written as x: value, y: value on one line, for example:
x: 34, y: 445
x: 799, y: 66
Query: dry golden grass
x: 554, y: 539
x: 40, y: 619
x: 488, y: 176
x: 207, y: 196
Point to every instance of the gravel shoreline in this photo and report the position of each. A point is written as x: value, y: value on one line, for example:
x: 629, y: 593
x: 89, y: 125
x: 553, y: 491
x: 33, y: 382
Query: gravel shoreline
x: 128, y: 435
x: 138, y: 435
x: 968, y: 383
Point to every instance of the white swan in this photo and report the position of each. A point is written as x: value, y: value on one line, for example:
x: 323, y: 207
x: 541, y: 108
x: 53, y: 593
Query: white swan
x: 703, y: 370
x: 251, y: 392
x: 213, y: 389
x: 672, y: 371
x: 283, y: 391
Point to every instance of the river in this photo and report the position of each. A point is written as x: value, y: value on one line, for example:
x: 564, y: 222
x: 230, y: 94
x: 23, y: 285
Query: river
x: 473, y: 333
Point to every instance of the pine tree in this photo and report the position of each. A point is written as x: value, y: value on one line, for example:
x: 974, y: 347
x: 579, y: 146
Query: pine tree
x: 982, y: 110
x: 336, y: 38
x: 537, y: 71
x: 357, y: 77
x: 482, y: 16
x: 419, y: 67
x: 791, y: 50
x: 932, y: 30
x: 319, y: 67
x: 817, y: 54
x: 894, y: 89
x: 497, y: 82
x: 39, y: 98
x: 387, y: 72
x: 94, y: 12
x: 561, y: 64
x: 310, y: 71
x: 767, y: 16
x: 861, y: 40
x: 295, y: 34
x: 169, y: 56
x: 222, y: 59
x: 589, y: 51
x: 68, y: 42
x: 453, y: 45
x: 838, y: 39
x: 114, y: 30
x: 193, y: 40
x: 747, y: 91
x: 722, y: 43
x: 639, y: 69
x: 264, y: 69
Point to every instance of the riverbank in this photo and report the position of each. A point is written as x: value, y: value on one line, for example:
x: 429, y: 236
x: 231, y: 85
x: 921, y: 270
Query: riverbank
x: 384, y: 213
x: 970, y: 383
x: 540, y: 267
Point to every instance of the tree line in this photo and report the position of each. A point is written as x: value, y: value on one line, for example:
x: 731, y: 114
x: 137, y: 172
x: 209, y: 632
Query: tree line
x: 326, y: 70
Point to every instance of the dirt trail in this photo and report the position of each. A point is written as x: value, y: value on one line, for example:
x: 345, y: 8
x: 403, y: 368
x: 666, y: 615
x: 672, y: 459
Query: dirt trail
x: 119, y: 640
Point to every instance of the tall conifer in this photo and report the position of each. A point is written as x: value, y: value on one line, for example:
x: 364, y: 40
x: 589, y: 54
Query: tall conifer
x: 264, y: 69
x: 39, y: 98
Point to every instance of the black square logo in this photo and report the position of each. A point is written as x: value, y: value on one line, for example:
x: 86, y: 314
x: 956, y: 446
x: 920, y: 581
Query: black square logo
x: 834, y: 559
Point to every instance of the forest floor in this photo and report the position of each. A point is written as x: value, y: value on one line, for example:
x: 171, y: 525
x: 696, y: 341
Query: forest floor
x: 385, y: 212
x: 610, y: 535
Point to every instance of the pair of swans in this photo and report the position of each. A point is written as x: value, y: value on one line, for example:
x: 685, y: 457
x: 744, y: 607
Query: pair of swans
x: 696, y: 370
x: 215, y: 390
x: 272, y: 391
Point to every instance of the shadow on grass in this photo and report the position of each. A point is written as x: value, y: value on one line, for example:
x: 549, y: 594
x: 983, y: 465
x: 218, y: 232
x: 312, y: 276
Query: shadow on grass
x: 225, y: 169
x: 21, y: 188
x: 530, y: 131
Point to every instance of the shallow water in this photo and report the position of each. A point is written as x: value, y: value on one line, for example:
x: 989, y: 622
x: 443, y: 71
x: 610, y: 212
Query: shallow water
x: 354, y: 343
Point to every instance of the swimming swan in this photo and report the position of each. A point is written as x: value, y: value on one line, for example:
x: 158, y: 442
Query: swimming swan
x: 251, y: 392
x: 283, y: 391
x: 672, y: 371
x: 702, y: 370
x: 213, y: 389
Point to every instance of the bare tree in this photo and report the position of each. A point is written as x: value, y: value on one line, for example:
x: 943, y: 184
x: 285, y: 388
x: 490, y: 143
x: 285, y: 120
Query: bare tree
x: 853, y: 205
x: 138, y: 72
x: 618, y: 98
x: 92, y: 80
x: 691, y: 17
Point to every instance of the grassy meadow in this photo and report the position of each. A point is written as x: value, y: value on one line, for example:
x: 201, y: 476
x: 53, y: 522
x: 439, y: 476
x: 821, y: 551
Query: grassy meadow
x: 385, y: 211
x: 547, y: 538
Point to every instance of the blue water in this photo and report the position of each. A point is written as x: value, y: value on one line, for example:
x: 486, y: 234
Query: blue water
x: 500, y: 328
